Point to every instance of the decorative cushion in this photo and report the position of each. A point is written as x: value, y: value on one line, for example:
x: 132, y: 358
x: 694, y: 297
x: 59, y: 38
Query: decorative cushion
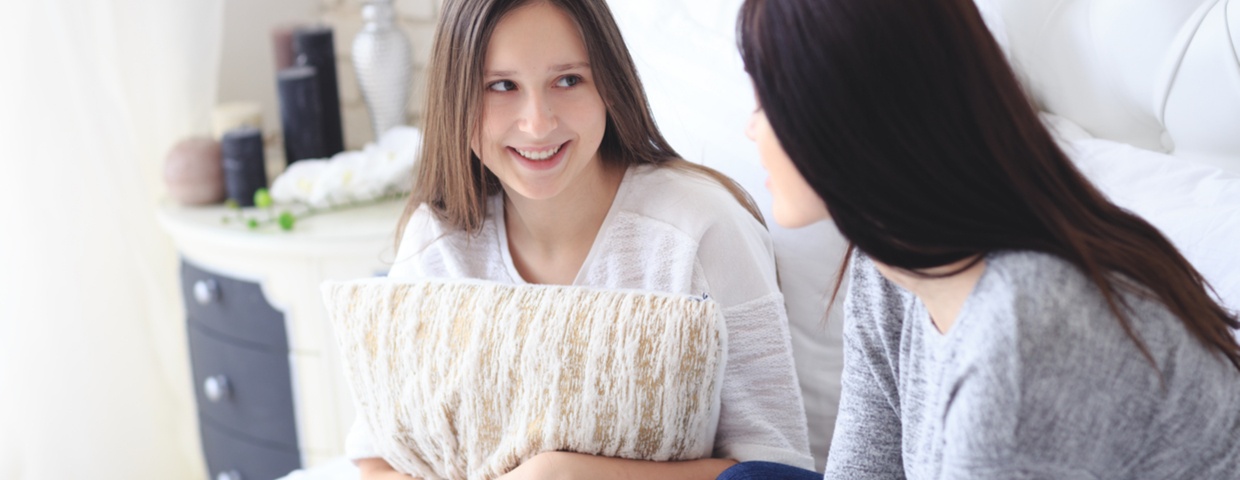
x: 467, y: 379
x: 1196, y: 206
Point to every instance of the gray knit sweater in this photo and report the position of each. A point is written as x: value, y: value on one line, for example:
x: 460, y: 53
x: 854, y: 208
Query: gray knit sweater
x: 1036, y: 380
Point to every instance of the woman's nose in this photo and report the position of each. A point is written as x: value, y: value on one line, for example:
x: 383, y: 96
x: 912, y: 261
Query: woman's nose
x: 538, y: 116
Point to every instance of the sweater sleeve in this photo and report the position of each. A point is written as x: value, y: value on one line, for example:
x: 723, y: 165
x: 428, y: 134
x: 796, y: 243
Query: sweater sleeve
x: 415, y: 256
x: 412, y: 260
x: 868, y: 434
x: 762, y: 415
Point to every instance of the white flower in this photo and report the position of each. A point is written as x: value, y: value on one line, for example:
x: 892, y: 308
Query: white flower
x: 297, y: 182
x: 381, y: 168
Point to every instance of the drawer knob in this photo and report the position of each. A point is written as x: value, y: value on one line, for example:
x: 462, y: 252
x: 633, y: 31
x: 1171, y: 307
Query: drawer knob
x: 229, y: 475
x: 216, y: 388
x: 206, y: 291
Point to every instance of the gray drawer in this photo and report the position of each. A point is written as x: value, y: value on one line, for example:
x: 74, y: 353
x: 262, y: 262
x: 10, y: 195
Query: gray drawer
x: 227, y: 452
x: 232, y: 308
x: 246, y: 390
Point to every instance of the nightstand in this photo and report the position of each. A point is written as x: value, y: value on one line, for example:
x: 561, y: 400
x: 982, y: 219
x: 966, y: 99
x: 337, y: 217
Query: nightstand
x: 268, y: 378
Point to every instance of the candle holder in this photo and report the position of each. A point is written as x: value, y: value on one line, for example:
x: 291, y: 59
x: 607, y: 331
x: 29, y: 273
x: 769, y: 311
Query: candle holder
x: 315, y: 47
x: 301, y: 114
x: 244, y: 164
x: 193, y: 174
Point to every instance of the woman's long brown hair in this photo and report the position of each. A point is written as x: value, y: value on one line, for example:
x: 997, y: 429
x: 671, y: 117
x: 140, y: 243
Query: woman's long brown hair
x: 905, y: 117
x: 452, y: 180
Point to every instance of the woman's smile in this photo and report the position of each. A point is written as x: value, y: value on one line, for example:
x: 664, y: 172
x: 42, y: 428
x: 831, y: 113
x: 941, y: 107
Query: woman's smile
x: 540, y: 158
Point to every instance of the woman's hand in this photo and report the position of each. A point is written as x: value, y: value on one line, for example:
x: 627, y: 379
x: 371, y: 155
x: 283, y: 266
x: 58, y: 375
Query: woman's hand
x: 575, y: 466
x: 546, y: 466
x: 378, y: 469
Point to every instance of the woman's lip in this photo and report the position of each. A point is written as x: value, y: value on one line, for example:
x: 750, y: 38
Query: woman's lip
x: 547, y: 164
x: 538, y: 149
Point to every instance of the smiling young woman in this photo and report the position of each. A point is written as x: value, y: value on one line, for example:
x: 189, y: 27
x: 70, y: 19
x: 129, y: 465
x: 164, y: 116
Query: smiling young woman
x: 542, y: 164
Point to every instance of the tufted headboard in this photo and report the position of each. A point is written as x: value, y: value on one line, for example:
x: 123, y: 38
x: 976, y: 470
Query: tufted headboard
x: 1144, y: 95
x: 1162, y: 75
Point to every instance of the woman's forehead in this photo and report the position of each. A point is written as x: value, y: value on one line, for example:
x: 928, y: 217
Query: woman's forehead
x: 536, y: 37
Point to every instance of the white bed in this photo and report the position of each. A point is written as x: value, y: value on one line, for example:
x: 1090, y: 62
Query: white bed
x: 1144, y: 94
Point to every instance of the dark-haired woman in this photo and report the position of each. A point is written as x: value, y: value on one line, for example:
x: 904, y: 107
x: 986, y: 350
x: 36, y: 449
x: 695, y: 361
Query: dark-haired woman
x: 1003, y: 319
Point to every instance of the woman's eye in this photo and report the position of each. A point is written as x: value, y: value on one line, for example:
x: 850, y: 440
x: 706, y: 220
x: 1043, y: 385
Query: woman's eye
x: 568, y: 81
x: 502, y: 86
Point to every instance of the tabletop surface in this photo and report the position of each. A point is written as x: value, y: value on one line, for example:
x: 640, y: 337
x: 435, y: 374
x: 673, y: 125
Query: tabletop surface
x: 362, y: 224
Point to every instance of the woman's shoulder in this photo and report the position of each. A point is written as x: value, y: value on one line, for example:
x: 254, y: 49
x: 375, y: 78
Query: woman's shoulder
x: 422, y: 228
x: 1040, y: 283
x: 432, y: 247
x: 874, y: 307
x: 1042, y: 301
x: 686, y: 199
x: 1033, y: 290
x: 1044, y: 322
x: 668, y: 215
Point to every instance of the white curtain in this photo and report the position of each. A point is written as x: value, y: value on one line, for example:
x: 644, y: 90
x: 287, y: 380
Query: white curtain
x: 94, y: 375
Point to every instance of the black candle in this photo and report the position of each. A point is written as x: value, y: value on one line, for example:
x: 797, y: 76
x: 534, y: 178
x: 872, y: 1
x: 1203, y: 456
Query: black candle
x: 301, y: 113
x: 244, y: 166
x: 314, y: 47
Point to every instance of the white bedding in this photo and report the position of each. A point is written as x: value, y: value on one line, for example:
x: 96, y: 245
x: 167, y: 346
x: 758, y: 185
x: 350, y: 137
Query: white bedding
x: 1195, y: 204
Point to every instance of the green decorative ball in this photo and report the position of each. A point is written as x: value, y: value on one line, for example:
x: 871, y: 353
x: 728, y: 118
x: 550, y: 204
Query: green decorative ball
x: 287, y: 220
x: 262, y: 199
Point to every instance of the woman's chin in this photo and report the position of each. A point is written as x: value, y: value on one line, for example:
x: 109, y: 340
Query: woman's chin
x: 796, y: 218
x: 533, y: 190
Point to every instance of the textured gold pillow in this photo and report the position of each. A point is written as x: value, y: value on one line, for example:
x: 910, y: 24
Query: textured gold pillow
x: 466, y: 379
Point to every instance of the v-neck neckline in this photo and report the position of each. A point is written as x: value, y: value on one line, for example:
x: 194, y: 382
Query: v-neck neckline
x: 501, y: 234
x: 921, y: 313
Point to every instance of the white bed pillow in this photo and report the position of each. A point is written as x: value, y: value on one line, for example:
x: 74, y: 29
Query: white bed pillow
x: 467, y: 379
x: 1197, y: 206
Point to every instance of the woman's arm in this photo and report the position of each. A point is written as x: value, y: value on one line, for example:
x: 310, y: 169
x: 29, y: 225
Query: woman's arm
x: 867, y: 441
x: 360, y: 447
x: 572, y: 466
x: 762, y: 412
x: 379, y: 469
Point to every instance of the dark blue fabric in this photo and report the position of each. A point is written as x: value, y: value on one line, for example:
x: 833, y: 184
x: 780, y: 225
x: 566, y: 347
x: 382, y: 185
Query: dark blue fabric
x: 767, y: 471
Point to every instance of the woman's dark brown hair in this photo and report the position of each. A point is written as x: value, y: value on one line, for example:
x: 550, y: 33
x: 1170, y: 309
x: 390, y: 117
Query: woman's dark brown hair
x: 452, y: 180
x: 906, y: 119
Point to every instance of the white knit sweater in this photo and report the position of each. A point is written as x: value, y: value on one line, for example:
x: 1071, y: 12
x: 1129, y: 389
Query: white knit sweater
x: 670, y: 231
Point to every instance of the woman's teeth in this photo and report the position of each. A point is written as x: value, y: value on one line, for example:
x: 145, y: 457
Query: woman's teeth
x: 539, y: 155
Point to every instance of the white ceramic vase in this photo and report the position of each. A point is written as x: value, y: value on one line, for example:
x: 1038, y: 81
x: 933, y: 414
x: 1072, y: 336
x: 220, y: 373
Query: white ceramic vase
x: 384, y: 66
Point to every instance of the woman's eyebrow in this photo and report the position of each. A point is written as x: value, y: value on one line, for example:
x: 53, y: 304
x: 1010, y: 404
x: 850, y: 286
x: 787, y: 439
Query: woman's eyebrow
x: 564, y: 67
x: 569, y: 66
x: 499, y: 73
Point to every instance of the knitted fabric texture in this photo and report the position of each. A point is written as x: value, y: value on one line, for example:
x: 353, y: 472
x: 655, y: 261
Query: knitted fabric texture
x: 466, y: 379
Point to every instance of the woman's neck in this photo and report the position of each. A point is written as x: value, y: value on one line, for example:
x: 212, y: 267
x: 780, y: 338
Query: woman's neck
x: 942, y: 296
x: 549, y: 239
